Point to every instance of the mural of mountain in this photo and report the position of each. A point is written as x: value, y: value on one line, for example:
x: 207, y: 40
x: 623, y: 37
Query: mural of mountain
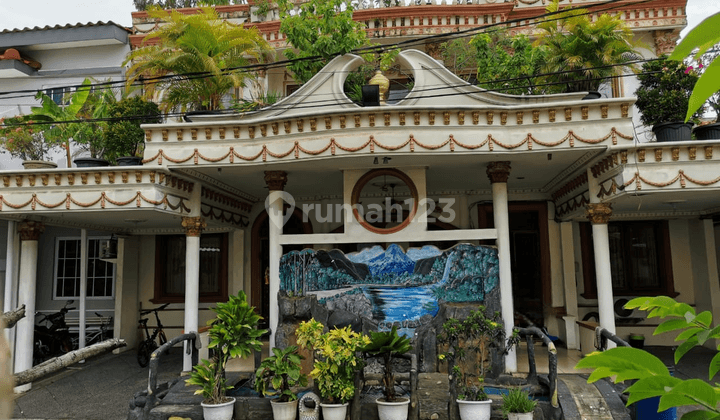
x: 428, y: 251
x: 392, y: 261
x: 339, y: 261
x: 367, y: 254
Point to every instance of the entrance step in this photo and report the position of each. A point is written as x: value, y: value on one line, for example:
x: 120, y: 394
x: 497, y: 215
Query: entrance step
x: 584, y: 401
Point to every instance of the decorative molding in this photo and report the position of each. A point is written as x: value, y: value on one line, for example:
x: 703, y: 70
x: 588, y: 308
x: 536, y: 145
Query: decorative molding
x: 225, y: 216
x: 193, y: 225
x: 296, y: 149
x: 575, y: 203
x: 138, y: 198
x: 574, y: 184
x: 30, y: 230
x: 681, y: 177
x: 665, y: 40
x: 567, y: 172
x: 225, y: 187
x: 225, y: 200
x: 598, y: 213
x: 498, y: 171
x: 275, y: 180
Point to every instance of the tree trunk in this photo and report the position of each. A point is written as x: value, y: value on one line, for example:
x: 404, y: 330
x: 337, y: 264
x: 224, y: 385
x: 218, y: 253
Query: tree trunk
x: 57, y: 363
x: 10, y: 318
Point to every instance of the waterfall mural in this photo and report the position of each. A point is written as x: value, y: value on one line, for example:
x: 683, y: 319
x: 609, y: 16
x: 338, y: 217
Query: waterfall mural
x: 391, y: 286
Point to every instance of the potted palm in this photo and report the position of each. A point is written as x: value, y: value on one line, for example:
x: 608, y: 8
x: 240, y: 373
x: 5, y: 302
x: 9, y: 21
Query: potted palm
x: 386, y: 344
x: 517, y: 405
x: 475, y: 335
x: 336, y: 361
x: 583, y: 52
x: 662, y: 98
x: 125, y: 139
x: 233, y: 333
x: 281, y: 372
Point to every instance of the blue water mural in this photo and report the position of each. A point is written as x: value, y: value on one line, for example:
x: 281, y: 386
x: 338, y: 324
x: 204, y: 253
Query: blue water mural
x: 403, y: 287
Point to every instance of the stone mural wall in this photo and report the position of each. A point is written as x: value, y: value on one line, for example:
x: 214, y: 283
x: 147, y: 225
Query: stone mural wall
x: 375, y: 289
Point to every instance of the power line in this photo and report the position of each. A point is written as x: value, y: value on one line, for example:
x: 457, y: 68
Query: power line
x: 368, y: 49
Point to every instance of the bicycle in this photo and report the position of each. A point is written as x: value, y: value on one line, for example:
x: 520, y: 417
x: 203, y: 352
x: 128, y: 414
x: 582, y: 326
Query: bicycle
x: 149, y: 345
x: 94, y: 336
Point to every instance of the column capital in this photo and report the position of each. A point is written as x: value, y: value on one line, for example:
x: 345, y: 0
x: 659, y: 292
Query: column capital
x: 193, y: 225
x: 498, y: 171
x: 275, y: 180
x: 30, y: 230
x: 598, y: 213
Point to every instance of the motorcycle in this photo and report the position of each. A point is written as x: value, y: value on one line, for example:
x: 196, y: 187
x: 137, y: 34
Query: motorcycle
x: 52, y: 335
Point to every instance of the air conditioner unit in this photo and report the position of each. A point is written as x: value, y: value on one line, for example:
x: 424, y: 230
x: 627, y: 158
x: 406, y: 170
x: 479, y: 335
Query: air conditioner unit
x: 108, y: 250
x: 627, y: 315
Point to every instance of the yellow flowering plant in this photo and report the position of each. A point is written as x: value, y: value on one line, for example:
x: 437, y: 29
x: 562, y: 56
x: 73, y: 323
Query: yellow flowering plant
x: 336, y: 358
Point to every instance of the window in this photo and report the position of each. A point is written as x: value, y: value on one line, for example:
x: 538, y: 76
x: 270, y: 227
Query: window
x: 640, y: 261
x: 59, y: 95
x: 170, y: 268
x: 100, y: 274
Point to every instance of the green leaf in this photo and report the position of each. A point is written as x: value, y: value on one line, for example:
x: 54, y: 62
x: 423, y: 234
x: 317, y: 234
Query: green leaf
x: 696, y: 390
x: 706, y: 86
x: 701, y: 415
x: 714, y: 366
x: 684, y: 348
x: 688, y: 333
x: 671, y: 325
x: 704, y: 35
x: 649, y: 387
x: 625, y: 362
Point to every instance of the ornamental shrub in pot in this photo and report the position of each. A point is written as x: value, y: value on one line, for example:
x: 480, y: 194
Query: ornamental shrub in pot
x: 662, y: 98
x: 281, y: 372
x: 233, y: 333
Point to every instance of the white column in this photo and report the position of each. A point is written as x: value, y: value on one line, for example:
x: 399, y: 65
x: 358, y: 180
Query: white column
x: 599, y: 214
x: 498, y: 173
x: 275, y: 181
x: 83, y: 287
x: 713, y: 277
x: 193, y: 228
x: 570, y: 285
x: 29, y: 234
x: 10, y: 294
x: 193, y: 225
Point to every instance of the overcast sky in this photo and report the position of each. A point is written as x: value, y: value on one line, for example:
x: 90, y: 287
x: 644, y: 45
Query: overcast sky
x: 30, y: 13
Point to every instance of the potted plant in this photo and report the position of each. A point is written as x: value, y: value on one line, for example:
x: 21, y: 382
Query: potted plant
x: 475, y: 335
x: 25, y: 140
x: 280, y: 372
x: 336, y: 360
x: 233, y: 333
x: 662, y: 98
x: 517, y: 405
x: 60, y: 131
x: 125, y: 140
x: 386, y: 344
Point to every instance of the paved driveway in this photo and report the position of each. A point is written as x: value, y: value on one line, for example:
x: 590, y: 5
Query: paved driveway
x: 99, y: 389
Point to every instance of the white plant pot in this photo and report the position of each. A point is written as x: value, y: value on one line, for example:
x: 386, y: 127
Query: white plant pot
x: 397, y: 410
x: 334, y: 411
x: 222, y: 411
x: 284, y: 410
x: 475, y: 410
x: 520, y: 416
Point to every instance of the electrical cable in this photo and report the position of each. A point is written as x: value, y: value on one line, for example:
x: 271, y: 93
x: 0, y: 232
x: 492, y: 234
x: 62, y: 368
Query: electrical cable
x: 362, y: 50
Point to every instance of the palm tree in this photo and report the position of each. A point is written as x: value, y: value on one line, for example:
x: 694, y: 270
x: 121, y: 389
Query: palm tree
x: 582, y: 53
x: 203, y: 51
